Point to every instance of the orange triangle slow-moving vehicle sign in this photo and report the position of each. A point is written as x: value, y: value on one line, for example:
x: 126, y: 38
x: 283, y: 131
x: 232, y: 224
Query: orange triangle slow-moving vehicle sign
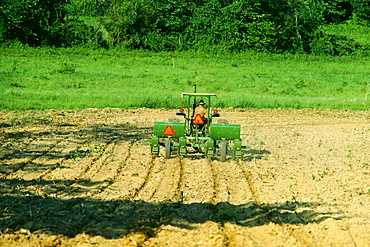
x: 198, y: 119
x: 168, y: 131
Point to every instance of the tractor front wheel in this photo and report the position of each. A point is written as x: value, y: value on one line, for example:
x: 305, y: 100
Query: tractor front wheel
x: 168, y: 149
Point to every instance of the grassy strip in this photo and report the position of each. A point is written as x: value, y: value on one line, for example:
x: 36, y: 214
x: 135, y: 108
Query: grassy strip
x: 49, y: 78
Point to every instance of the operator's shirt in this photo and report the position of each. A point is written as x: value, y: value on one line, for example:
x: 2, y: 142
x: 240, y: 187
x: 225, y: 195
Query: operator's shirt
x: 200, y: 110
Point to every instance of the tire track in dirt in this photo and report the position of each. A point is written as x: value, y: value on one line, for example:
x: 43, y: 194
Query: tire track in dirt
x: 13, y: 159
x: 65, y: 179
x: 145, y: 191
x: 221, y: 186
x: 231, y: 190
x: 163, y: 183
x: 132, y: 173
x: 221, y: 194
x: 234, y: 187
x: 24, y: 163
x: 14, y: 145
x: 216, y: 183
x: 51, y: 159
x: 203, y: 189
x: 198, y: 181
x: 249, y: 181
x: 281, y: 232
x: 176, y: 187
x: 78, y: 161
x: 146, y: 185
x: 192, y: 209
x: 179, y: 192
x: 100, y: 171
x: 105, y: 171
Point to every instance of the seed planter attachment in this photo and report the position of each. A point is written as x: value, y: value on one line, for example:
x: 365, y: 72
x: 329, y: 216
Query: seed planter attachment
x: 197, y: 133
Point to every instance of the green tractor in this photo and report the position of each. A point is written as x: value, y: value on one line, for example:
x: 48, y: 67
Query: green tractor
x: 197, y: 131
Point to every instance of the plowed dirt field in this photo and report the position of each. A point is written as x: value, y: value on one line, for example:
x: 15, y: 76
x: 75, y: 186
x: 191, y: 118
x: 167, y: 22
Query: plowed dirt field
x: 83, y: 178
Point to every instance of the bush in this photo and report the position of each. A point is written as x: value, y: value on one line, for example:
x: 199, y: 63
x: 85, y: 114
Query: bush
x: 334, y: 45
x: 341, y: 39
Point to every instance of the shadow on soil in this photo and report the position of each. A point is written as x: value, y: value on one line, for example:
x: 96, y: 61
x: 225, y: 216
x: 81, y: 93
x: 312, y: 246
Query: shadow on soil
x: 37, y: 205
x: 19, y: 149
x: 117, y: 218
x: 251, y: 154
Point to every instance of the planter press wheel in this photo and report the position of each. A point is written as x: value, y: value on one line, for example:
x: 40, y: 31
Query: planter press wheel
x: 223, y: 151
x: 168, y: 149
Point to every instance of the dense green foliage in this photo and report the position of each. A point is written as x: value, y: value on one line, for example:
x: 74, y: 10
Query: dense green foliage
x: 276, y: 26
x: 70, y: 78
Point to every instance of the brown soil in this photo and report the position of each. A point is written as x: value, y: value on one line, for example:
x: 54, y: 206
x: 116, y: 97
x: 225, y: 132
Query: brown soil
x: 83, y: 178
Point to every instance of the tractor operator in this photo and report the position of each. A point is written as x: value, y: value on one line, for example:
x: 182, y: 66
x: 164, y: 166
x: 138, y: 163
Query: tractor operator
x: 201, y: 110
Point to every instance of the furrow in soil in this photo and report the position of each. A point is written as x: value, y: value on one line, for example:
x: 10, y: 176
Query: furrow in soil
x: 198, y: 181
x: 166, y: 181
x: 131, y: 174
x: 52, y: 156
x: 23, y: 159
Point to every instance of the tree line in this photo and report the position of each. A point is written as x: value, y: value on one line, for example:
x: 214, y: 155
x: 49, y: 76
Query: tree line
x: 174, y: 25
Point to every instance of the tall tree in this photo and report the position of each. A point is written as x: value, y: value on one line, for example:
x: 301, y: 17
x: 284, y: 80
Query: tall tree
x: 361, y: 10
x: 337, y: 11
x: 35, y: 22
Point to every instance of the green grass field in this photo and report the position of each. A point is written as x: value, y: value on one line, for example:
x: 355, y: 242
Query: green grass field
x: 47, y: 78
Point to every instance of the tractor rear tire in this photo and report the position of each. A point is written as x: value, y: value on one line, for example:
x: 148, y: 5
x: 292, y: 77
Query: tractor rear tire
x: 168, y: 149
x: 223, y: 151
